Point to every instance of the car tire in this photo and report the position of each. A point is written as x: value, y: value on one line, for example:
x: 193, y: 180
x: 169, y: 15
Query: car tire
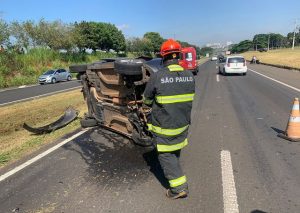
x: 244, y: 73
x: 78, y: 68
x: 88, y: 122
x: 69, y: 78
x: 129, y: 66
x: 53, y: 80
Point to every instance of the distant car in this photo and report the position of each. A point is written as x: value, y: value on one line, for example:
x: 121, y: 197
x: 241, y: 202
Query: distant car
x: 233, y: 65
x: 221, y: 57
x: 53, y: 76
x: 214, y: 58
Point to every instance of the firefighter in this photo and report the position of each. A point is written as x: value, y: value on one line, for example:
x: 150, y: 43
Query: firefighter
x: 170, y: 93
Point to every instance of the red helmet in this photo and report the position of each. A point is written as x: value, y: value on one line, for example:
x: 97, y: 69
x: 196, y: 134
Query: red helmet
x: 170, y: 46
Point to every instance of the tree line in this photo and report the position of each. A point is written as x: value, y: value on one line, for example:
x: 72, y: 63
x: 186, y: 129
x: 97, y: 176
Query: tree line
x: 57, y: 35
x: 78, y: 36
x: 263, y: 41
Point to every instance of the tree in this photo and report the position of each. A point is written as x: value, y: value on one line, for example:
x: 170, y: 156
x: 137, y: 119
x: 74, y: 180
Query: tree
x: 78, y: 35
x: 55, y: 35
x: 243, y: 46
x: 276, y: 40
x: 4, y: 33
x: 139, y: 46
x: 260, y: 41
x: 290, y: 38
x: 99, y: 35
x: 155, y: 39
x: 114, y: 38
x: 19, y: 32
x: 206, y: 50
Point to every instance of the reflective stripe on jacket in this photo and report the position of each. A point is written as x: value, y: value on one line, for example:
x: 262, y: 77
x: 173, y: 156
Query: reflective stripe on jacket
x: 170, y: 92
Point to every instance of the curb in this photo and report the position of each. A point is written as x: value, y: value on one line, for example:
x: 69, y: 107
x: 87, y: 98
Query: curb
x: 278, y: 66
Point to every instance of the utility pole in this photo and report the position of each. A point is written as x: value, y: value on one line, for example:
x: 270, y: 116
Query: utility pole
x: 293, y: 47
x: 269, y: 42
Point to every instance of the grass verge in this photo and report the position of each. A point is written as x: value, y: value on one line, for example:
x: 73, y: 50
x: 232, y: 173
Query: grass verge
x: 282, y: 57
x: 16, y: 142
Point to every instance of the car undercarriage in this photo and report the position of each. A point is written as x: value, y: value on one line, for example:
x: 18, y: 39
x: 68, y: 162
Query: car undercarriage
x: 113, y: 89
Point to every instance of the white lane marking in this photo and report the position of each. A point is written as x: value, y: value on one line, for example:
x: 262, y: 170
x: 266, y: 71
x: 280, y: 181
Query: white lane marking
x: 33, y: 85
x: 39, y: 96
x: 284, y: 84
x: 36, y: 158
x: 15, y: 88
x: 229, y: 191
x: 217, y: 78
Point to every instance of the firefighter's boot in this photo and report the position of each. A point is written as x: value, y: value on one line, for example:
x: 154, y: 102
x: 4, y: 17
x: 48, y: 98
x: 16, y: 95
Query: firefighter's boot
x: 172, y: 195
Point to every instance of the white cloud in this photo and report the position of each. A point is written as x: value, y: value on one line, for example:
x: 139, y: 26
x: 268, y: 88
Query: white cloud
x: 123, y: 26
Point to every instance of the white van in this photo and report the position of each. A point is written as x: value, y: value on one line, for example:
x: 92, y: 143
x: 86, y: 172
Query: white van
x: 233, y: 65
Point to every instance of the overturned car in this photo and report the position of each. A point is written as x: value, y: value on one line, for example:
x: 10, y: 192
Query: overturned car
x: 113, y: 89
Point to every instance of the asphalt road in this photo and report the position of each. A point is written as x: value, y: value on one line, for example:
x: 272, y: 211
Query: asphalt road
x: 234, y: 162
x: 11, y: 96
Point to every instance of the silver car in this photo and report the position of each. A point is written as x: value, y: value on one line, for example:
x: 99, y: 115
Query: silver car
x: 53, y: 76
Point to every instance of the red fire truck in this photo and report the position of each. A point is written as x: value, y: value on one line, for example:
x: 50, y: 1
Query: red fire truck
x: 188, y: 59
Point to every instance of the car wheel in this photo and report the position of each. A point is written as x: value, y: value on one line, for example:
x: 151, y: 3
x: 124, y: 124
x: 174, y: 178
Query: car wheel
x: 69, y: 78
x: 53, y: 80
x: 244, y: 73
x: 224, y: 73
x: 129, y: 66
x: 78, y: 68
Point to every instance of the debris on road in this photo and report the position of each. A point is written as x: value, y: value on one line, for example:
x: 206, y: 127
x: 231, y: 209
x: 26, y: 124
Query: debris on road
x: 69, y: 116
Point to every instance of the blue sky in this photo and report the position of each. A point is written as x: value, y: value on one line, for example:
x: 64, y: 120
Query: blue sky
x: 198, y: 22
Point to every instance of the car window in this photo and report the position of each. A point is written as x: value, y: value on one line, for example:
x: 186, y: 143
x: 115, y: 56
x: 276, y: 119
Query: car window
x: 236, y: 60
x: 49, y: 72
x: 62, y: 71
x: 188, y: 56
x: 181, y: 56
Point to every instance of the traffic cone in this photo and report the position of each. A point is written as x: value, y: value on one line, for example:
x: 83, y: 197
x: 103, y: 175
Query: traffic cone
x: 292, y: 132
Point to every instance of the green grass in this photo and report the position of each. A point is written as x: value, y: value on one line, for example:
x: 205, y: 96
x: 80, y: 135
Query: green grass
x: 16, y: 142
x: 21, y: 69
x: 283, y: 57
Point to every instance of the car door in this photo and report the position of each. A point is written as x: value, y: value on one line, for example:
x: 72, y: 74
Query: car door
x: 59, y: 75
x: 63, y: 74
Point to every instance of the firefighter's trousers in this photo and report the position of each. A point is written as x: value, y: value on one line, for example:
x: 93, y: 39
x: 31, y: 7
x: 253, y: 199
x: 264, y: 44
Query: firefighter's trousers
x: 170, y: 164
